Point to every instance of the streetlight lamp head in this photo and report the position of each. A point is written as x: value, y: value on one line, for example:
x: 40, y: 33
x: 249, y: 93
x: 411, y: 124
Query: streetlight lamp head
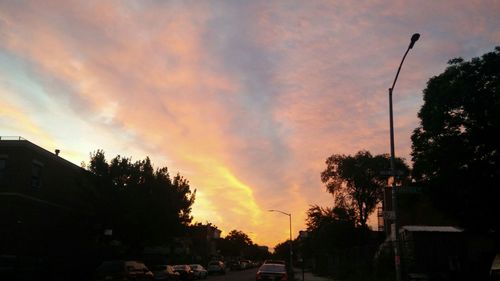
x: 414, y: 39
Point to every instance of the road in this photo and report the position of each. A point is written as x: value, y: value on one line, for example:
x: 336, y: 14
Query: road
x: 239, y: 275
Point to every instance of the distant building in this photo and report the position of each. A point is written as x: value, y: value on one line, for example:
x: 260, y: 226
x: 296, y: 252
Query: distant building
x: 205, y: 238
x: 45, y: 203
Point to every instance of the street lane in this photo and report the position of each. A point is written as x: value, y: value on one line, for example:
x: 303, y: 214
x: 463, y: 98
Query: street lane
x: 238, y: 275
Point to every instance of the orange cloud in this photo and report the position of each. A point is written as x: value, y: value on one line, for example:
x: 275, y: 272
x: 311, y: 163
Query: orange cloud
x: 245, y: 99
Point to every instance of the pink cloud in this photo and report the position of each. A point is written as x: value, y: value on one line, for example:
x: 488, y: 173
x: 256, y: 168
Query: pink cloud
x: 245, y: 99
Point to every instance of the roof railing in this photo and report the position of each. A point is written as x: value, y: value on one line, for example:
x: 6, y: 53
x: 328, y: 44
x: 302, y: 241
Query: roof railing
x: 12, y: 138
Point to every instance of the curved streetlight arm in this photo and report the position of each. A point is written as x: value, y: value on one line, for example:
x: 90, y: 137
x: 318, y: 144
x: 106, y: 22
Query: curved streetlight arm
x: 413, y: 39
x: 399, y: 69
x: 291, y: 242
x: 280, y: 212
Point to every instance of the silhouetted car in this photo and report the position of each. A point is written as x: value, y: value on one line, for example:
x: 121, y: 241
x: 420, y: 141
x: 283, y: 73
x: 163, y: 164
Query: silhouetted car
x: 245, y: 264
x: 185, y: 272
x: 495, y: 269
x: 123, y: 270
x: 216, y: 267
x: 165, y: 272
x: 234, y: 265
x: 199, y: 271
x: 272, y: 272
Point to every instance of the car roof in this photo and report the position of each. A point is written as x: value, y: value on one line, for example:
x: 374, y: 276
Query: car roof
x: 272, y: 267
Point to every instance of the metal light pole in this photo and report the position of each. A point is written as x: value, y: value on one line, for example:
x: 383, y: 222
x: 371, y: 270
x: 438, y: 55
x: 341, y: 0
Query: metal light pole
x: 396, y: 246
x: 291, y: 249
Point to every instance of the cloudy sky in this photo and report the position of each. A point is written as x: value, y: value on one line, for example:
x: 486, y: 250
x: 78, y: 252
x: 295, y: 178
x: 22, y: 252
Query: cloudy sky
x: 244, y: 98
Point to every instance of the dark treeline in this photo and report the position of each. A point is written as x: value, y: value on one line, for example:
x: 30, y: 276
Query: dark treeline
x: 339, y: 241
x: 456, y: 165
x: 143, y: 206
x: 147, y: 207
x: 238, y: 245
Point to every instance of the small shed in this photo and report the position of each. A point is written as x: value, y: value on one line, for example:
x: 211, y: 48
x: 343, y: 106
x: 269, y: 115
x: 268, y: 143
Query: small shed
x: 432, y: 252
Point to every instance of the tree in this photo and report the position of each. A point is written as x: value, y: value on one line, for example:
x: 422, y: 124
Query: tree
x: 318, y: 217
x: 356, y: 181
x: 239, y: 238
x: 332, y: 234
x: 456, y: 147
x: 238, y: 244
x: 141, y: 205
x: 235, y: 243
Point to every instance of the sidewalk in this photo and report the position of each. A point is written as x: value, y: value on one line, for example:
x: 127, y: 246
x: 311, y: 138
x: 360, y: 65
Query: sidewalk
x: 308, y: 276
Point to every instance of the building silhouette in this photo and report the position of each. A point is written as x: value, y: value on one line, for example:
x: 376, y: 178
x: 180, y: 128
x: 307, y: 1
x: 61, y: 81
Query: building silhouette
x: 46, y: 211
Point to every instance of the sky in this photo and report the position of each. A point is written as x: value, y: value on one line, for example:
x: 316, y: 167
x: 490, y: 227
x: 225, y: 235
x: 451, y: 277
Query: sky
x: 246, y: 99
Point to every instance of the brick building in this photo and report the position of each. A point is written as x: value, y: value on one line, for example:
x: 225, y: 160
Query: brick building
x: 46, y: 207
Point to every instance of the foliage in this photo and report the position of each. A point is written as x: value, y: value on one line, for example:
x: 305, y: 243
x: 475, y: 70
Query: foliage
x: 238, y: 244
x: 357, y: 182
x: 335, y: 244
x: 239, y: 239
x: 142, y: 205
x: 282, y: 250
x: 318, y: 217
x: 456, y: 146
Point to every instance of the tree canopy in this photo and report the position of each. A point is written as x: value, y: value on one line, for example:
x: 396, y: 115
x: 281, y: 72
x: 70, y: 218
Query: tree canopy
x: 238, y: 244
x: 357, y: 182
x: 142, y: 205
x: 456, y: 147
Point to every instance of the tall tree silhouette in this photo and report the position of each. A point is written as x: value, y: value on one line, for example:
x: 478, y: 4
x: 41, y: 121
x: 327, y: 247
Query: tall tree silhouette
x: 144, y: 206
x: 356, y: 181
x: 456, y: 146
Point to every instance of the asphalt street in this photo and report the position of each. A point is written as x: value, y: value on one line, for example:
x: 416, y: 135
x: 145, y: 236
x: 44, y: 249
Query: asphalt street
x: 239, y: 275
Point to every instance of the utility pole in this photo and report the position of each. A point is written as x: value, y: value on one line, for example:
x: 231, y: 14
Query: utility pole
x: 396, y: 240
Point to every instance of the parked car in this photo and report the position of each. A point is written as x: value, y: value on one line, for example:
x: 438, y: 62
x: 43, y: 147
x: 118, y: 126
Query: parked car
x: 165, y: 272
x: 245, y: 264
x: 234, y: 265
x: 199, y: 271
x: 271, y: 272
x: 216, y: 267
x: 495, y: 269
x: 185, y: 272
x: 123, y: 270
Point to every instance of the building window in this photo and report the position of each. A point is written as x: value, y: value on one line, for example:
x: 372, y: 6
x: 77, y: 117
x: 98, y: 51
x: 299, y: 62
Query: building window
x: 36, y: 174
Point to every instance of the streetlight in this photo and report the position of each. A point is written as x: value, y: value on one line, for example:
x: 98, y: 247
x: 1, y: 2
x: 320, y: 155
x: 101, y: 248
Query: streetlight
x: 396, y: 246
x: 291, y: 250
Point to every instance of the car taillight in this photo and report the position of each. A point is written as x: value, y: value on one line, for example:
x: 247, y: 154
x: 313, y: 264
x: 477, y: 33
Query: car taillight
x: 258, y: 276
x: 284, y: 277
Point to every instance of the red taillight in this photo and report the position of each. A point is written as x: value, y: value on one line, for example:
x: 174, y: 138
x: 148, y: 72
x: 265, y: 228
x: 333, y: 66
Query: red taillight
x: 284, y: 278
x: 258, y: 277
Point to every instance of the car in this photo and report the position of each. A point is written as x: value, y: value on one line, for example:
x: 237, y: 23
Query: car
x: 495, y: 269
x: 199, y: 271
x: 185, y: 272
x: 216, y: 267
x: 123, y: 270
x: 165, y: 272
x: 234, y: 265
x: 272, y: 272
x: 245, y: 264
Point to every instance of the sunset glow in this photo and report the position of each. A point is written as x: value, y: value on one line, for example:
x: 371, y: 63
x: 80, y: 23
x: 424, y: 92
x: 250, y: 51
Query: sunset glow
x: 246, y: 99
